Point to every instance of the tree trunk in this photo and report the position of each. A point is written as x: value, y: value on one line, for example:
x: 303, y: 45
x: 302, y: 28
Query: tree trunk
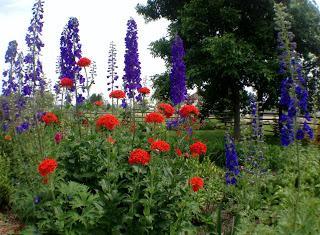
x: 260, y: 98
x: 236, y: 113
x: 260, y: 111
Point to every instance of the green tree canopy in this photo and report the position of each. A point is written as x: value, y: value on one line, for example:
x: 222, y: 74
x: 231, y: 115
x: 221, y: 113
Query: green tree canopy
x: 231, y: 44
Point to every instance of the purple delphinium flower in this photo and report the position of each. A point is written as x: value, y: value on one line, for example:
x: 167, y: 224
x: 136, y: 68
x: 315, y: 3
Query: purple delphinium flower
x: 112, y: 76
x: 232, y: 163
x: 19, y: 72
x: 189, y: 131
x: 20, y: 100
x: 70, y: 51
x: 56, y: 86
x: 13, y: 86
x: 37, y: 200
x: 287, y: 132
x: 92, y: 72
x: 283, y: 53
x: 171, y: 124
x: 39, y: 115
x: 34, y: 78
x: 80, y: 99
x: 23, y: 127
x: 299, y: 134
x: 5, y: 127
x: 255, y: 124
x: 294, y: 94
x: 10, y: 84
x: 178, y: 90
x: 132, y: 73
x: 308, y: 130
x: 5, y: 109
x: 176, y: 122
x: 124, y: 104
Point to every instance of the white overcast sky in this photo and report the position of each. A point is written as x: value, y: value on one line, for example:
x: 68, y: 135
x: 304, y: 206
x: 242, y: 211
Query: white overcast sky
x: 101, y: 21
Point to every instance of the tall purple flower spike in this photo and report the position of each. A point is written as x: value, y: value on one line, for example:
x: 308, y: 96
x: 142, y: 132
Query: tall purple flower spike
x: 70, y: 52
x: 112, y: 76
x: 132, y: 73
x: 11, y: 86
x: 178, y: 90
x: 34, y: 78
x: 9, y: 83
x: 294, y: 94
x: 232, y: 163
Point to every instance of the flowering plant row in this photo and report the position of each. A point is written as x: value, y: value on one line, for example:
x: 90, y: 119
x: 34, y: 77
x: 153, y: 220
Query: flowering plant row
x: 127, y: 173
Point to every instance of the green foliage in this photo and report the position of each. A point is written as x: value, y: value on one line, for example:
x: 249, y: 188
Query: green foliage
x: 73, y: 211
x: 95, y: 97
x: 231, y: 45
x: 83, y: 159
x: 156, y: 9
x: 5, y: 185
x: 215, y: 142
x: 271, y: 203
x: 95, y: 190
x: 305, y: 26
x: 158, y: 199
x: 161, y: 86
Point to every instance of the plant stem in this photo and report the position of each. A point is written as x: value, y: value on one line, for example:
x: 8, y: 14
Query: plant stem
x: 133, y: 121
x: 297, y: 184
x: 52, y: 188
x: 88, y: 86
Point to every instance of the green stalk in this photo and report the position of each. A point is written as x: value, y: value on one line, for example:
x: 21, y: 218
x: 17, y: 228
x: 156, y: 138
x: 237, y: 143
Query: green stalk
x: 88, y: 85
x: 297, y: 185
x: 61, y: 105
x: 134, y: 197
x: 52, y: 188
x: 76, y: 93
x: 134, y: 122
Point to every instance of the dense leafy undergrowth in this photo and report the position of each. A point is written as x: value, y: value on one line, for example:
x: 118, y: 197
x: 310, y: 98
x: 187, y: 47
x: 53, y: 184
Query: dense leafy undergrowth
x: 95, y: 190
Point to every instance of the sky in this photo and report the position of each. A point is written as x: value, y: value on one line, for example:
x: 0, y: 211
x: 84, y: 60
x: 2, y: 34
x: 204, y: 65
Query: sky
x: 100, y: 22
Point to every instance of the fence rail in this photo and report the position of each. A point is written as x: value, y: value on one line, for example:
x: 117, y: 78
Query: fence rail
x: 266, y: 118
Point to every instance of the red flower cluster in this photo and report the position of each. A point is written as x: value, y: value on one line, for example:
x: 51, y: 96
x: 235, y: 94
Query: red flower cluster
x: 144, y: 90
x: 154, y: 117
x: 66, y: 82
x: 178, y: 152
x: 139, y: 156
x: 196, y: 183
x: 188, y: 110
x: 58, y: 137
x: 150, y: 140
x: 118, y: 94
x: 84, y: 62
x: 47, y: 166
x: 161, y: 146
x: 49, y: 118
x: 198, y: 148
x: 98, y: 103
x: 111, y: 140
x: 166, y: 109
x: 108, y: 121
x: 8, y: 137
x: 85, y: 122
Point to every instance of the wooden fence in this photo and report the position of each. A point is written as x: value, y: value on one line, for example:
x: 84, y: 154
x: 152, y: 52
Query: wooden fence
x: 267, y: 118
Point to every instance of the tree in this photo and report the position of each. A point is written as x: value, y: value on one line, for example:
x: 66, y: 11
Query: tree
x: 95, y: 97
x: 229, y: 45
